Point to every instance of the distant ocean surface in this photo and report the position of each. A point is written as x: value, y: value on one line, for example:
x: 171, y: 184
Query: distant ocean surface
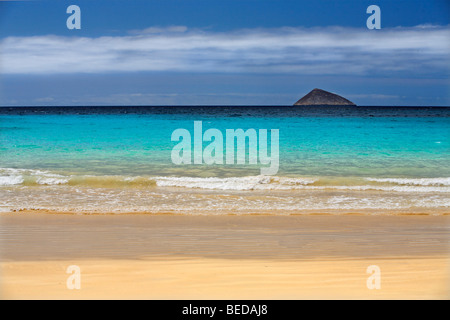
x: 369, y: 160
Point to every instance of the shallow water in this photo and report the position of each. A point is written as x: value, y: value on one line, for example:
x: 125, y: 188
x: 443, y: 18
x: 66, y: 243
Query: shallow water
x: 332, y: 159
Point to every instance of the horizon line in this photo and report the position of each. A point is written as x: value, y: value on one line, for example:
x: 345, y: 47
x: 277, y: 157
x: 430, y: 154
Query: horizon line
x: 222, y: 105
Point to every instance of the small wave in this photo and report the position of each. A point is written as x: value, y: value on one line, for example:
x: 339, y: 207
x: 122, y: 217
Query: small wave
x: 388, y: 188
x: 284, y: 183
x: 28, y: 177
x: 49, y: 179
x: 413, y: 182
x: 235, y: 183
x: 9, y: 177
x: 11, y: 180
x: 112, y: 181
x: 52, y: 180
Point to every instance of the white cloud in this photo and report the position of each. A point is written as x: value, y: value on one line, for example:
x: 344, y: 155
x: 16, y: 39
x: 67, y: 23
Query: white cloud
x: 319, y: 51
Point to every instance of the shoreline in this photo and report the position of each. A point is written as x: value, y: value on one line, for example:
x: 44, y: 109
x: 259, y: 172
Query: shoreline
x: 138, y: 256
x: 268, y: 213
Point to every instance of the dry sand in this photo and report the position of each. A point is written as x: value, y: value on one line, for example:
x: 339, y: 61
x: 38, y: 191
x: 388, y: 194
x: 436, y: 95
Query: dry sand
x: 224, y: 257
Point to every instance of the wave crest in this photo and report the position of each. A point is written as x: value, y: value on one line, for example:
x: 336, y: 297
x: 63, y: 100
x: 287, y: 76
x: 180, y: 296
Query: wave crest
x: 413, y: 181
x: 235, y: 183
x: 27, y: 177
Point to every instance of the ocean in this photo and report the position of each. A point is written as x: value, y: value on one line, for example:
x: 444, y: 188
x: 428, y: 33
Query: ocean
x: 332, y: 160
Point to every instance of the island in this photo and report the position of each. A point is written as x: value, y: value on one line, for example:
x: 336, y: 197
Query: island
x: 319, y: 97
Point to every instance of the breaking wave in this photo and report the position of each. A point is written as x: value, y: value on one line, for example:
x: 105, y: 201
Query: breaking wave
x: 235, y: 183
x: 414, y: 182
x: 24, y: 189
x: 27, y: 177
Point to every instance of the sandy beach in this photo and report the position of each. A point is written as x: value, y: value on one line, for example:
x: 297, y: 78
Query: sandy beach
x: 131, y: 256
x: 224, y: 150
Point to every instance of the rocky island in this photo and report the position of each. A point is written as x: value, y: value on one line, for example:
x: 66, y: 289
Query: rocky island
x: 319, y: 97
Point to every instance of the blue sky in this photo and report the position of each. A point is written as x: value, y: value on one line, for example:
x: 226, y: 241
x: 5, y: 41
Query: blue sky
x: 238, y: 52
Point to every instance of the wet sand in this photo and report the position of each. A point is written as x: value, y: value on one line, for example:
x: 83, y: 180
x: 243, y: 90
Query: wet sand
x: 231, y: 257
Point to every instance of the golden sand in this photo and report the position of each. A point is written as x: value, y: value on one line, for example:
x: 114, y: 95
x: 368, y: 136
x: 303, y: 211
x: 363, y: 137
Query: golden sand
x: 224, y: 257
x: 203, y: 278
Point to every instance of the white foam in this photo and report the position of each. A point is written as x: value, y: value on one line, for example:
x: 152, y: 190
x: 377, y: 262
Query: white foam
x: 13, y: 177
x: 235, y: 183
x: 73, y: 199
x: 393, y: 188
x: 280, y: 183
x: 11, y: 180
x: 10, y: 176
x: 414, y: 181
x: 46, y: 180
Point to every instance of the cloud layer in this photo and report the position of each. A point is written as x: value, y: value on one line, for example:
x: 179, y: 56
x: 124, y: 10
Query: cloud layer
x: 421, y: 50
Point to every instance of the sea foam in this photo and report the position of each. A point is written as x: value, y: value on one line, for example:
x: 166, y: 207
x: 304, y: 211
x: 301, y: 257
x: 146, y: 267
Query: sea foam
x: 11, y: 180
x: 27, y: 177
x: 234, y: 183
x: 414, y: 181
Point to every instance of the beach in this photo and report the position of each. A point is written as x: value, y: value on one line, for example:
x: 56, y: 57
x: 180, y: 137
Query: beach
x: 166, y: 256
x: 358, y: 208
x: 224, y: 150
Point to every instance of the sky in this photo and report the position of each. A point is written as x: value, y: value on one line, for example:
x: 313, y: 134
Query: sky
x: 223, y: 52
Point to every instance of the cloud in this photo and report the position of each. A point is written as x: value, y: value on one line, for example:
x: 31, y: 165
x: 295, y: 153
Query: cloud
x: 422, y: 51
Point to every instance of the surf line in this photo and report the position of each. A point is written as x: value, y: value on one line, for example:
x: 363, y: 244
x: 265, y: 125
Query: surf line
x: 234, y: 144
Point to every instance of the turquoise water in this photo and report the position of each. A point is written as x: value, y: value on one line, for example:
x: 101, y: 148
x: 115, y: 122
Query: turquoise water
x: 369, y: 150
x: 141, y: 144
